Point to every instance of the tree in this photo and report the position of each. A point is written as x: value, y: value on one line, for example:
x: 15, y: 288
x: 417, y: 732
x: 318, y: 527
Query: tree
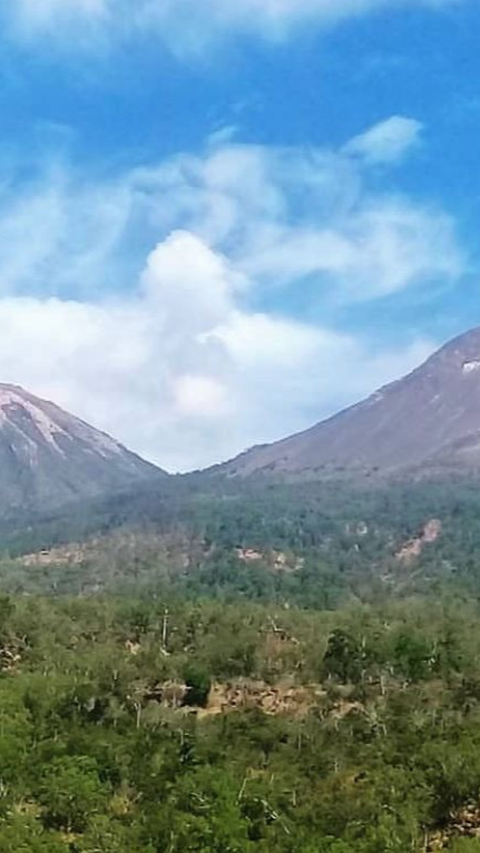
x: 343, y: 657
x: 198, y: 685
x: 71, y: 792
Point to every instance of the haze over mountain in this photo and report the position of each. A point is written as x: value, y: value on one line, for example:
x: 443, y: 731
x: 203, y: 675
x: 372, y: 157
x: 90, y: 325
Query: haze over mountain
x: 426, y: 422
x: 48, y: 457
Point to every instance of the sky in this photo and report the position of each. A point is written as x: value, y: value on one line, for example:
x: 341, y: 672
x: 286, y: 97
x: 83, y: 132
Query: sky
x: 221, y: 222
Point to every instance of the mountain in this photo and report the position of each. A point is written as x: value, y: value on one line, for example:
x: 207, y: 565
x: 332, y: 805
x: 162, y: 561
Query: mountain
x: 426, y: 423
x: 49, y: 457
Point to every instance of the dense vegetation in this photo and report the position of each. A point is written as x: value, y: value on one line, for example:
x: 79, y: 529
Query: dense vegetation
x: 339, y: 543
x: 94, y: 757
x: 163, y: 693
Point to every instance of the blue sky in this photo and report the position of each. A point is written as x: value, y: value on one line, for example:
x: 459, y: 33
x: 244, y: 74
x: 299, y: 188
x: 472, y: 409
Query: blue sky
x: 220, y: 222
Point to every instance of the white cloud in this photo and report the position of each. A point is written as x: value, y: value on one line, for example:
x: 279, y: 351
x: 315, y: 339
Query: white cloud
x: 283, y: 215
x: 46, y: 11
x: 278, y: 216
x: 386, y: 142
x: 188, y: 24
x: 173, y: 350
x: 55, y: 218
x: 182, y: 373
x: 201, y: 397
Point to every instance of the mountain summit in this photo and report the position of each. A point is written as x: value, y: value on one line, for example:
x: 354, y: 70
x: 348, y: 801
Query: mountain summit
x: 48, y: 456
x: 427, y: 421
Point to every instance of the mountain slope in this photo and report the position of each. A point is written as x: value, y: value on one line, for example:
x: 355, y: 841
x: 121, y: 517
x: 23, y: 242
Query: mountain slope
x: 430, y: 419
x: 48, y: 456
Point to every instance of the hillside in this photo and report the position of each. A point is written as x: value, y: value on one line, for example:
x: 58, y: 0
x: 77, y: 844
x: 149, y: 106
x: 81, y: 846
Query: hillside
x: 426, y: 423
x: 49, y: 457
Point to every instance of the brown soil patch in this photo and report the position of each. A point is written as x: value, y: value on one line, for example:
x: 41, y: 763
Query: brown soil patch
x: 414, y: 547
x: 464, y: 823
x: 285, y: 698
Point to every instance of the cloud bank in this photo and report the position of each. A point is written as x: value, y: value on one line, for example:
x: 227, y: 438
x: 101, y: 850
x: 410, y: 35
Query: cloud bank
x: 156, y: 306
x: 178, y: 370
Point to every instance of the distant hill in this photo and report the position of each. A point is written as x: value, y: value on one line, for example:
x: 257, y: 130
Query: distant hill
x: 426, y: 423
x: 49, y: 457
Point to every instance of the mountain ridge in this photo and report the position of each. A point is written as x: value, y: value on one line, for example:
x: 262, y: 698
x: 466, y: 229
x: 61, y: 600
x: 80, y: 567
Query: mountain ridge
x: 428, y: 419
x: 48, y: 456
x: 427, y: 422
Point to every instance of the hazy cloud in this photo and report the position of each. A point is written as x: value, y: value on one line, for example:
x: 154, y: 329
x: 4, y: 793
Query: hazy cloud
x: 131, y: 302
x: 283, y: 215
x: 386, y: 142
x: 279, y: 215
x: 178, y: 370
x: 188, y: 24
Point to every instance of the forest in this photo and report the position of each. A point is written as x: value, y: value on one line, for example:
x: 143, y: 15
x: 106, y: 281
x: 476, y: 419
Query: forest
x: 313, y: 545
x: 160, y: 724
x: 273, y: 669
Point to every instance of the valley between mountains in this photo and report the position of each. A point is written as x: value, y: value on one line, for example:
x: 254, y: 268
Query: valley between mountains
x: 365, y: 486
x: 276, y: 655
x: 424, y: 425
